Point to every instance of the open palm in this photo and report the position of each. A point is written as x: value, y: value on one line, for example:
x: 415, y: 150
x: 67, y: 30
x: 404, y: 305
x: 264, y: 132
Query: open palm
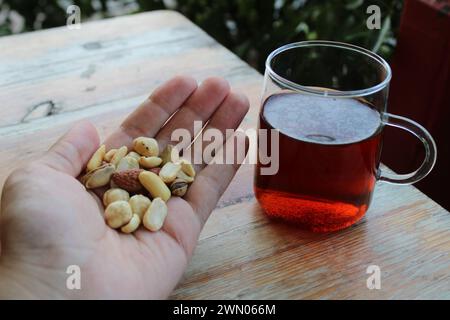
x: 50, y: 222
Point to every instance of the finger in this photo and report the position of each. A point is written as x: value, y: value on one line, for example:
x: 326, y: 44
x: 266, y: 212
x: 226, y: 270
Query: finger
x: 228, y: 116
x: 72, y: 151
x: 211, y: 182
x: 149, y: 117
x: 199, y: 107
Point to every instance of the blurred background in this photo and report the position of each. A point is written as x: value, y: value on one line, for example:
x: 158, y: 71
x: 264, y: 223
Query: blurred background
x: 249, y: 28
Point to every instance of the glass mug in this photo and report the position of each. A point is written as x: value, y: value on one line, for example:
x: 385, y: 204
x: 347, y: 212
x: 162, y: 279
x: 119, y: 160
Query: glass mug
x: 327, y: 100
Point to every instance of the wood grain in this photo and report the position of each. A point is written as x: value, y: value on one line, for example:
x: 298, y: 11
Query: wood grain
x: 50, y: 79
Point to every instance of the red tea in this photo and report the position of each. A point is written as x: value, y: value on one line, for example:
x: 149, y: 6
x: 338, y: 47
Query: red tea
x: 329, y: 150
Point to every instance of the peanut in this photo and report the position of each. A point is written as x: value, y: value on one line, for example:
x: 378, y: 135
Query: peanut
x: 118, y: 214
x: 154, y: 185
x: 98, y: 177
x: 170, y: 154
x: 155, y: 215
x: 96, y: 159
x: 134, y: 155
x: 127, y: 163
x: 139, y: 204
x: 108, y: 156
x: 132, y: 225
x: 122, y: 171
x: 185, y: 177
x: 147, y: 147
x: 179, y: 187
x: 120, y: 153
x: 113, y: 195
x: 169, y: 172
x: 186, y: 167
x: 149, y: 162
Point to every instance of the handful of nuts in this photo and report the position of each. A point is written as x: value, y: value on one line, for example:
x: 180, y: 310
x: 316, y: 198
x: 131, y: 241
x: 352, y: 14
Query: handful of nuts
x: 140, y: 182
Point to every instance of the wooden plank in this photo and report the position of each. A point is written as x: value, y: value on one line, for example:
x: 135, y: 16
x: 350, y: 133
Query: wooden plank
x: 128, y: 56
x: 50, y: 79
x: 243, y: 255
x: 100, y: 58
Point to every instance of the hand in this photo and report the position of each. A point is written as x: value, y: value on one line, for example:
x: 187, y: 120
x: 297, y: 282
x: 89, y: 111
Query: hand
x: 49, y: 221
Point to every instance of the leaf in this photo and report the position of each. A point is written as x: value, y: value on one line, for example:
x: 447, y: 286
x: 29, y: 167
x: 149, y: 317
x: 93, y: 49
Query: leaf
x: 383, y: 32
x: 261, y: 26
x: 354, y: 4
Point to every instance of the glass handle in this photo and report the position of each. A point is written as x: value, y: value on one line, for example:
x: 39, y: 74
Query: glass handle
x: 430, y: 150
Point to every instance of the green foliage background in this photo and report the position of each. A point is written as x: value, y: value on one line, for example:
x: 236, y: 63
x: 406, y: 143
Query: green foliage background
x: 250, y: 28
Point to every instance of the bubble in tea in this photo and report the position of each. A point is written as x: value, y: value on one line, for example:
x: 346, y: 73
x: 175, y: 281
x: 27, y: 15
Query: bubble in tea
x: 329, y: 155
x: 321, y: 119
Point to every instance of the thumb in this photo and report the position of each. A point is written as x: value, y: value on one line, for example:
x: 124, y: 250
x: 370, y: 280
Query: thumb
x: 73, y: 150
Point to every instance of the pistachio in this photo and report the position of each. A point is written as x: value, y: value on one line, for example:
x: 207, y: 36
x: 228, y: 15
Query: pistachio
x: 96, y: 159
x: 98, y: 177
x: 179, y: 187
x: 185, y: 177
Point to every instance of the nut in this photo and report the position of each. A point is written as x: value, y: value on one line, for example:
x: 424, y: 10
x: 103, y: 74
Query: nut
x: 118, y: 213
x: 147, y: 147
x: 150, y: 162
x: 113, y: 195
x: 170, y: 154
x: 134, y: 155
x: 128, y: 180
x: 169, y: 172
x: 127, y: 163
x: 154, y: 185
x: 139, y: 204
x: 155, y: 215
x: 120, y: 153
x: 185, y: 177
x: 98, y: 177
x: 96, y: 159
x: 108, y: 156
x: 179, y: 187
x: 132, y: 225
x: 186, y: 167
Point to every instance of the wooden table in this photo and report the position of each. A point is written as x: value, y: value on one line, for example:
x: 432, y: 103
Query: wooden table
x: 50, y: 79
